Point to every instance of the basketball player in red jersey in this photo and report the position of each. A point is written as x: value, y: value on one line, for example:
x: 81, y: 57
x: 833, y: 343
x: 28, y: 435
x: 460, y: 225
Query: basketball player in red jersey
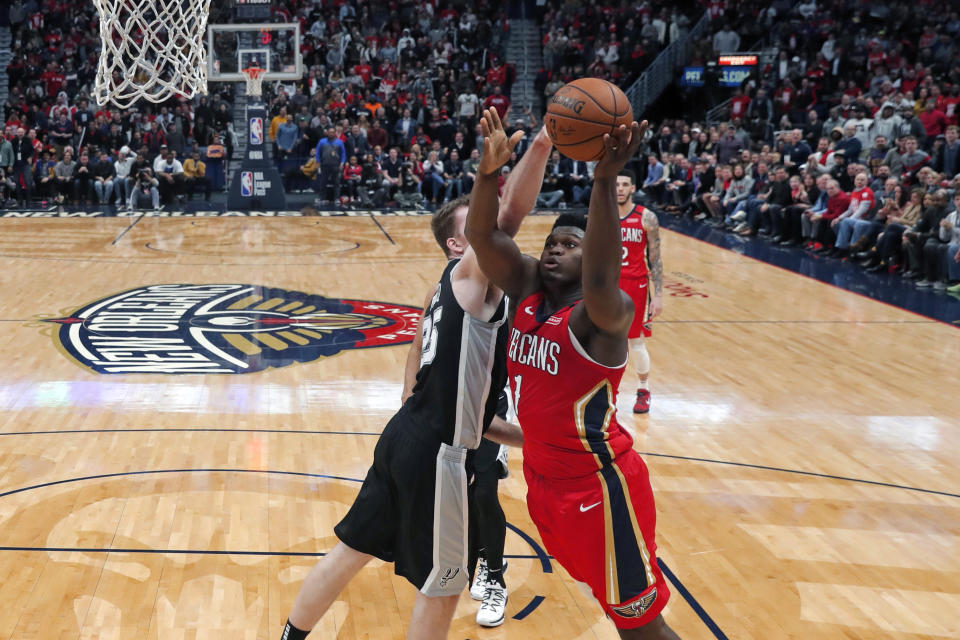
x: 641, y: 264
x: 588, y: 491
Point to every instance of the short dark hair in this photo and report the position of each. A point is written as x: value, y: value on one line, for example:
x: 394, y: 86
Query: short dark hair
x: 442, y: 223
x: 630, y: 174
x: 570, y: 220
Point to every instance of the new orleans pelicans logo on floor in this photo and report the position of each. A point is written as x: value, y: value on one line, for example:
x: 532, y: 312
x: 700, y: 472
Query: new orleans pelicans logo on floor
x: 225, y: 328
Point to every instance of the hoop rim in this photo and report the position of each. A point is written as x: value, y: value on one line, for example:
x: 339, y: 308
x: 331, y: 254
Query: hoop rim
x: 253, y: 73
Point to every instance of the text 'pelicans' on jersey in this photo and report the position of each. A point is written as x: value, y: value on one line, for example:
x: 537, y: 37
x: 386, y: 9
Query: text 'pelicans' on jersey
x: 632, y: 234
x: 534, y: 351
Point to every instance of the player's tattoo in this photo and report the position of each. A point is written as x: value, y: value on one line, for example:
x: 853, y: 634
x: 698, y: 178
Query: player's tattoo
x: 652, y: 227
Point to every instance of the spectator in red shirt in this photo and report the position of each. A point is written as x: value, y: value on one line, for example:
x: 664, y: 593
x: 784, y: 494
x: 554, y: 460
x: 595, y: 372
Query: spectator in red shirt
x: 950, y: 108
x: 363, y: 70
x: 498, y: 101
x: 860, y: 210
x: 838, y: 201
x: 352, y: 176
x: 376, y: 135
x: 738, y: 104
x: 497, y: 74
x: 934, y: 121
x: 52, y: 79
x: 910, y: 80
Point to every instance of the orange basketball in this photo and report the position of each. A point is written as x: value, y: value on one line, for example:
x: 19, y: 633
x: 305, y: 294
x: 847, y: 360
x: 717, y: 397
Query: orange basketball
x: 579, y: 113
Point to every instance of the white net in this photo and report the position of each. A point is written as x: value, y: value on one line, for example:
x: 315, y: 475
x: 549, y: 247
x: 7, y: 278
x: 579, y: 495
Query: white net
x: 151, y: 49
x: 254, y: 78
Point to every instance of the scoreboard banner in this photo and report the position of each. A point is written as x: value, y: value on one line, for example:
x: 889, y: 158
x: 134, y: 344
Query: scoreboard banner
x: 252, y: 9
x: 733, y: 76
x: 692, y: 77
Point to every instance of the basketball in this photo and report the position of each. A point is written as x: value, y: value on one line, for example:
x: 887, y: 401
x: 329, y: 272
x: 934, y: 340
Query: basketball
x: 580, y: 112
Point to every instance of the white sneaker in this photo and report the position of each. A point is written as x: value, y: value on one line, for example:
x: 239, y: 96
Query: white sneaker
x: 739, y: 216
x: 492, y: 612
x: 479, y: 585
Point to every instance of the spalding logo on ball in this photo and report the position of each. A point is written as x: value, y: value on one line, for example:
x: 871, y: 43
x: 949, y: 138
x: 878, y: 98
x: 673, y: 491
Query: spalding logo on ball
x: 579, y: 113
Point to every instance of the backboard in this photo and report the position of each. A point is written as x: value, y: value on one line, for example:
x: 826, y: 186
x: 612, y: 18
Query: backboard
x: 274, y: 47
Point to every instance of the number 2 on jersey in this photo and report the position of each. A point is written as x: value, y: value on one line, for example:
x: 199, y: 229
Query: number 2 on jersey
x: 623, y: 261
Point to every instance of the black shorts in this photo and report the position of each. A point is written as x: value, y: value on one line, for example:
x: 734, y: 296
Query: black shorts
x: 488, y: 458
x: 489, y: 453
x: 412, y: 510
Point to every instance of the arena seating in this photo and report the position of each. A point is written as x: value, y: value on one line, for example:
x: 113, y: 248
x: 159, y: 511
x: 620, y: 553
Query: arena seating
x: 865, y: 97
x: 414, y: 80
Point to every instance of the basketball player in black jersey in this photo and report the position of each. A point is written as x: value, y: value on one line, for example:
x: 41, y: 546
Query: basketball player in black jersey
x: 411, y: 509
x: 486, y: 465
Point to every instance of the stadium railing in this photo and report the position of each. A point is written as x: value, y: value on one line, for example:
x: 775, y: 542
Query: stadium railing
x: 662, y: 71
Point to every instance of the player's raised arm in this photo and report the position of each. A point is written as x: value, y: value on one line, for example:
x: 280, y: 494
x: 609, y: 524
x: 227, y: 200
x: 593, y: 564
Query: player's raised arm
x: 524, y: 183
x: 497, y: 254
x: 519, y: 198
x: 606, y: 305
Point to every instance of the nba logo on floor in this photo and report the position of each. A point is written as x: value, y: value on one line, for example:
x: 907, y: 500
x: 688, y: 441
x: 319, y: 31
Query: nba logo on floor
x: 256, y: 130
x: 246, y: 183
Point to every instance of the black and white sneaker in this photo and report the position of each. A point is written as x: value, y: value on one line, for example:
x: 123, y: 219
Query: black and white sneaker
x: 479, y: 585
x: 492, y: 612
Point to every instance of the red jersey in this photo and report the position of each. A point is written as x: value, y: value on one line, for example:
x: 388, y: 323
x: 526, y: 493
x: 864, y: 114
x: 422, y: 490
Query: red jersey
x: 634, y: 242
x: 738, y: 106
x: 950, y: 108
x: 499, y: 102
x: 859, y: 196
x: 565, y: 401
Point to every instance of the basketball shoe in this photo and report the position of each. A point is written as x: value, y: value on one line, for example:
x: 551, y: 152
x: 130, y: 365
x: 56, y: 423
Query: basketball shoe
x: 479, y: 585
x: 643, y: 401
x: 493, y: 610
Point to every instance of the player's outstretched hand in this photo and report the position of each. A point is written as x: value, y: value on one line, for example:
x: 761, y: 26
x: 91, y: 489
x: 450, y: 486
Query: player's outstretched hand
x: 496, y: 146
x: 619, y: 148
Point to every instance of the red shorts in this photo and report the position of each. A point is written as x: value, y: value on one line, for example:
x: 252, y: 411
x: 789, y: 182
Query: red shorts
x: 601, y: 529
x: 639, y: 292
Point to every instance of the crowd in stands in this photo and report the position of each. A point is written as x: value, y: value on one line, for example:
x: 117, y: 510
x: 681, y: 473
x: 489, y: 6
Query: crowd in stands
x: 398, y: 92
x: 389, y: 110
x: 607, y: 40
x: 60, y: 147
x: 846, y: 146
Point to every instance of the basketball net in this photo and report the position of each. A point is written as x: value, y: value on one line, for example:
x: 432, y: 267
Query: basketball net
x: 151, y: 49
x: 254, y: 76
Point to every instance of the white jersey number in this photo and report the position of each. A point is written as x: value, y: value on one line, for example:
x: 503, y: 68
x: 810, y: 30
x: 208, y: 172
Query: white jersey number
x: 429, y: 350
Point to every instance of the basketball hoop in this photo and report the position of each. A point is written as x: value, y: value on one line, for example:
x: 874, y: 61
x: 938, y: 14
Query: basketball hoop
x: 151, y: 49
x: 254, y: 77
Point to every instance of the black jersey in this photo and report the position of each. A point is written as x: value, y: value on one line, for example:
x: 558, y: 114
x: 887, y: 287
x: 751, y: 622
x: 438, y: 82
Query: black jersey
x: 462, y: 369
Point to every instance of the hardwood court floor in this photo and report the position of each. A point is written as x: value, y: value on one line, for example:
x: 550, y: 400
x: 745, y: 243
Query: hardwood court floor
x: 189, y: 506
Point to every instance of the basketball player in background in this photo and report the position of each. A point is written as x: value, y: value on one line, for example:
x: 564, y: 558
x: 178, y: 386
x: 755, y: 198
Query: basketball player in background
x: 588, y: 491
x: 641, y: 264
x: 410, y: 508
